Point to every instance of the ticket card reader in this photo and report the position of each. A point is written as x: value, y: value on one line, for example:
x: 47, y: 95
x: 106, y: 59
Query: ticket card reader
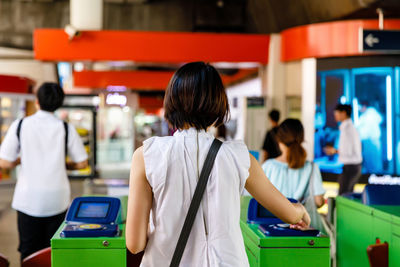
x: 270, y: 225
x: 92, y: 217
x: 269, y: 242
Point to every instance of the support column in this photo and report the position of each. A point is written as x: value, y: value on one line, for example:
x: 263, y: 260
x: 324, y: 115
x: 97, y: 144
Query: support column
x: 308, y: 102
x: 86, y: 14
x: 276, y: 91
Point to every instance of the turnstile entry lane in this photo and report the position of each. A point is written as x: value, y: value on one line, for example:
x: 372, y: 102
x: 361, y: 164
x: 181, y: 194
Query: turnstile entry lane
x: 268, y: 242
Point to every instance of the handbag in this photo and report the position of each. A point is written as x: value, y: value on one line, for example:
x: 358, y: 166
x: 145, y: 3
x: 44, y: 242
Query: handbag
x: 195, y: 203
x: 317, y: 220
x: 311, y: 207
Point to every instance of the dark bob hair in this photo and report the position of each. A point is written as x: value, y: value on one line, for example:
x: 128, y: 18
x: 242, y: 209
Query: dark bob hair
x: 50, y: 96
x: 344, y: 108
x: 195, y: 97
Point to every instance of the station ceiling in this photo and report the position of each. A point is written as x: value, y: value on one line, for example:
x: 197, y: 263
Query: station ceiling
x: 18, y: 18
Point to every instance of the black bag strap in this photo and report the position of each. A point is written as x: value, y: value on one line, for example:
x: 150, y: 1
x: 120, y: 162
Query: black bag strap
x: 66, y: 137
x: 19, y: 129
x: 194, y: 205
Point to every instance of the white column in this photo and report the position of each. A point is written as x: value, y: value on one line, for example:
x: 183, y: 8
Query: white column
x: 308, y: 102
x: 86, y: 14
x: 276, y: 91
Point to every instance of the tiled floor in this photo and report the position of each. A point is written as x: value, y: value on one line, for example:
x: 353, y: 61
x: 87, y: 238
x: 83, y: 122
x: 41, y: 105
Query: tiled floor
x: 8, y: 225
x: 8, y: 220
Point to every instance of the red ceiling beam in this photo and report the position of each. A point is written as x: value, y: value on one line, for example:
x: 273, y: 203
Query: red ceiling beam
x: 330, y: 39
x: 155, y: 47
x: 142, y: 80
x: 15, y: 84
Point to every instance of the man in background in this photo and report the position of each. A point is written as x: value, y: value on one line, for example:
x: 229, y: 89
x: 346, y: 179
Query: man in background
x: 270, y: 148
x: 349, y: 149
x: 40, y: 143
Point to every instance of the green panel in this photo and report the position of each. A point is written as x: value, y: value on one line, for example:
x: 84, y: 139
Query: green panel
x: 382, y: 229
x: 88, y: 242
x: 359, y: 225
x: 354, y: 233
x: 261, y: 240
x: 124, y: 207
x: 299, y: 257
x: 394, y: 251
x: 252, y: 256
x: 88, y: 257
x: 383, y: 212
x: 394, y: 210
x: 281, y: 251
x: 244, y: 205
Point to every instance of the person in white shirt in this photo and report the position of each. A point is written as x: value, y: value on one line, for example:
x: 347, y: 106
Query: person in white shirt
x: 40, y: 143
x: 164, y: 176
x: 349, y: 149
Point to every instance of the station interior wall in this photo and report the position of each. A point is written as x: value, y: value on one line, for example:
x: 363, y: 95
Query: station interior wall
x: 21, y: 63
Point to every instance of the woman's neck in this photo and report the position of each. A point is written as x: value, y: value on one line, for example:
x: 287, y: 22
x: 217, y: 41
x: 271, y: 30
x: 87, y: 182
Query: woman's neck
x: 283, y: 156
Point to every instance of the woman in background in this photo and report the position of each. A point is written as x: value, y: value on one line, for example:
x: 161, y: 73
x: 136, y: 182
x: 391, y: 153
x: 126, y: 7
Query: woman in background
x: 290, y: 173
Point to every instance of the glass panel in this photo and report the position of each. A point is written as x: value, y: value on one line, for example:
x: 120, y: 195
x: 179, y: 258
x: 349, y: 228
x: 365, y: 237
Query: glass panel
x: 330, y: 91
x: 396, y: 117
x: 82, y: 120
x: 115, y: 141
x: 373, y: 119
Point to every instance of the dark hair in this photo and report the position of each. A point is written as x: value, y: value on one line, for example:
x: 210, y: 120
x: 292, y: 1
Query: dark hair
x: 50, y: 96
x: 221, y: 131
x: 291, y: 133
x: 345, y: 108
x: 274, y: 115
x: 196, y: 97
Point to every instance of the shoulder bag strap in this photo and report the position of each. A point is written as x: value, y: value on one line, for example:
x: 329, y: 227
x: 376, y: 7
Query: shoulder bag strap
x: 66, y: 138
x: 194, y: 205
x: 19, y: 129
x: 311, y: 182
x: 309, y: 188
x: 19, y: 133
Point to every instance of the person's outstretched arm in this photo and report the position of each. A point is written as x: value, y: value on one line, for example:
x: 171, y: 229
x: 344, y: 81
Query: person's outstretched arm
x: 259, y: 186
x: 5, y: 164
x: 139, y: 204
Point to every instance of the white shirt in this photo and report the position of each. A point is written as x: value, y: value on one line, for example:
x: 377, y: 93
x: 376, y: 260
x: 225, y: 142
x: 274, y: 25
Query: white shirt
x: 42, y: 187
x: 171, y: 169
x: 369, y: 124
x: 349, y: 144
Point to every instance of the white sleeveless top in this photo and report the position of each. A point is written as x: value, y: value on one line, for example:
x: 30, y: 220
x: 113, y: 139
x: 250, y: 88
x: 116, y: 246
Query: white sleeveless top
x: 171, y: 170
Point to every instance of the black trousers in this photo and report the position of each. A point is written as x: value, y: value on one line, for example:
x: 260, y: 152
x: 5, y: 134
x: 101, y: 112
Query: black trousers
x: 35, y: 232
x: 349, y: 177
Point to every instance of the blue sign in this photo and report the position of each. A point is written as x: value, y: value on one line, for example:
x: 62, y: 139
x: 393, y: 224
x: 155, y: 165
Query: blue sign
x: 379, y: 41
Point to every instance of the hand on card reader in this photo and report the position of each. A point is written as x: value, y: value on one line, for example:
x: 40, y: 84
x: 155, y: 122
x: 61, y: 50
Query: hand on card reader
x: 92, y: 217
x: 270, y: 225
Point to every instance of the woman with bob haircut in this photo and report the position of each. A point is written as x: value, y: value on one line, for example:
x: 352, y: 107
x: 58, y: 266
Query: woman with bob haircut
x: 164, y: 176
x: 290, y: 173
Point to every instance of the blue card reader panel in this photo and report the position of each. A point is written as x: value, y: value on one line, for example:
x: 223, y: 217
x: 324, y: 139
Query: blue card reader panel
x: 259, y: 215
x: 98, y: 210
x: 285, y: 230
x: 90, y: 230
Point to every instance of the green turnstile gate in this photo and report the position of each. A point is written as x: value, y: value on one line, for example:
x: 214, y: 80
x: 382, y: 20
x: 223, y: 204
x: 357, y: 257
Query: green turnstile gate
x: 267, y: 251
x: 88, y: 251
x: 359, y: 225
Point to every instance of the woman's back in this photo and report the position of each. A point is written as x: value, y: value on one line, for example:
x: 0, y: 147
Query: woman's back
x: 172, y: 170
x: 293, y: 183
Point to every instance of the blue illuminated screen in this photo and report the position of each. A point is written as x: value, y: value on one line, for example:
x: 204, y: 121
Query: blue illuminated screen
x: 373, y: 94
x: 93, y: 210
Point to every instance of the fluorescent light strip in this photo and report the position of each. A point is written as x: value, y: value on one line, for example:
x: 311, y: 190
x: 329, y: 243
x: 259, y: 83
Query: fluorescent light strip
x: 355, y: 111
x: 389, y: 118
